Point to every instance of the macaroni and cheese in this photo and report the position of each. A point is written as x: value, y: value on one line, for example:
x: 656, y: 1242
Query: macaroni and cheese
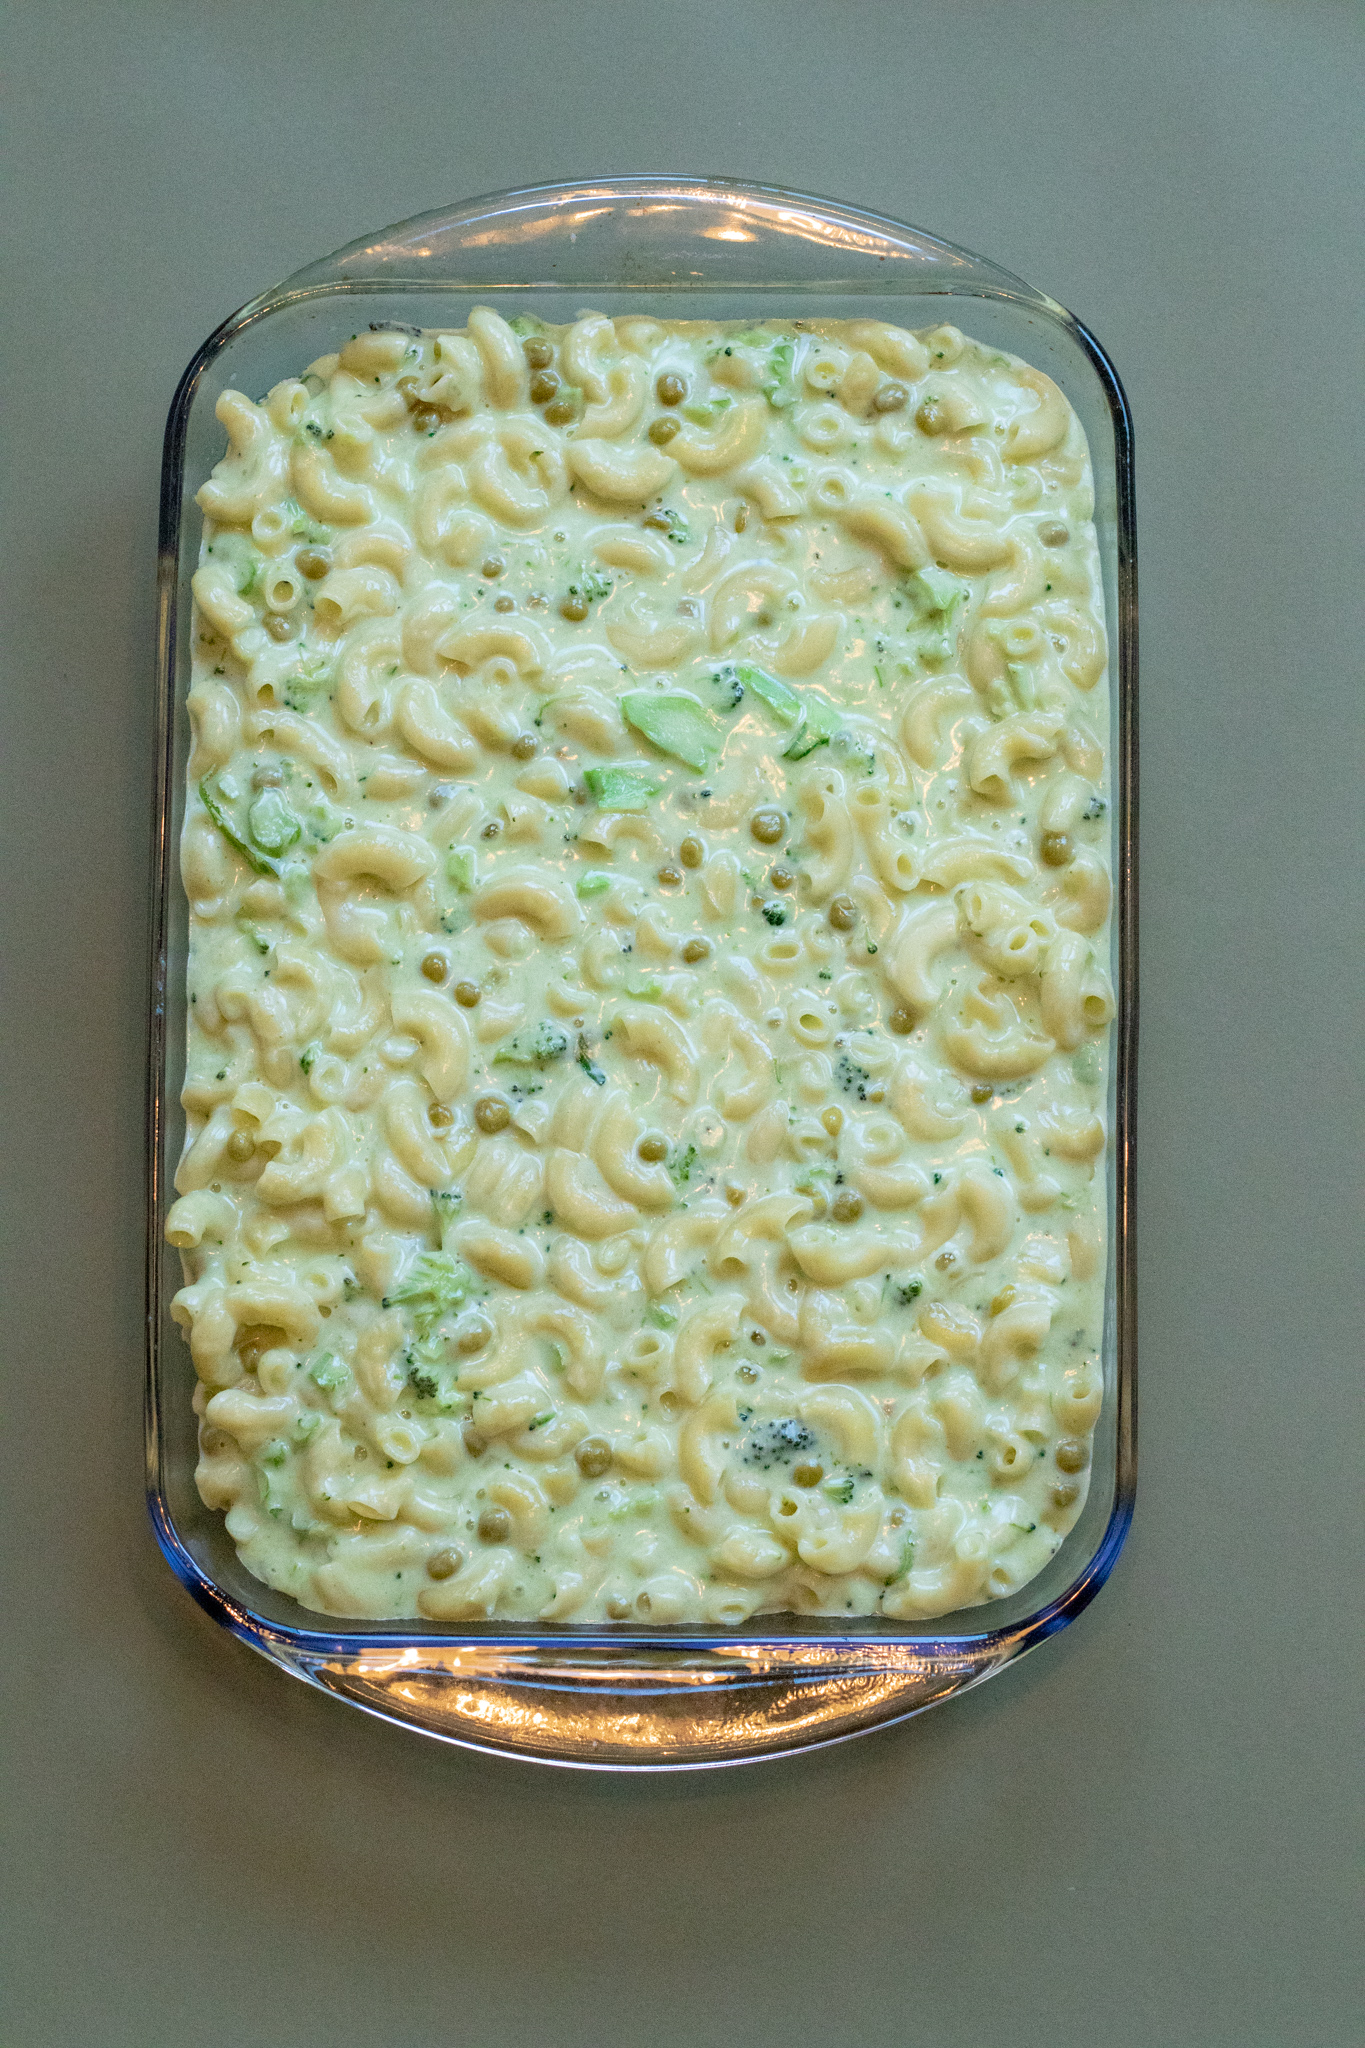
x: 648, y: 974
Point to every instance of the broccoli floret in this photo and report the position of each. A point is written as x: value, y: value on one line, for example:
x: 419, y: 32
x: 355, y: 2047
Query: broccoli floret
x: 776, y: 1443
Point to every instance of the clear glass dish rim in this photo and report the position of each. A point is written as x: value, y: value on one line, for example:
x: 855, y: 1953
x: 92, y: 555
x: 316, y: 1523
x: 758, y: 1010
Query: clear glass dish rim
x: 759, y: 1649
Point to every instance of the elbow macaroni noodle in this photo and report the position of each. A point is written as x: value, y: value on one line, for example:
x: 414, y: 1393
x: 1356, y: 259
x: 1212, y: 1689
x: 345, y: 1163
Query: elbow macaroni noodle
x: 648, y: 994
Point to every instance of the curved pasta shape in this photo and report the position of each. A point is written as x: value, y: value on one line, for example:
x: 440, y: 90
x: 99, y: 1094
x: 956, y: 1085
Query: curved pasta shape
x: 214, y: 1314
x: 926, y: 713
x: 700, y: 1458
x: 838, y: 1348
x: 1086, y: 652
x: 770, y: 1218
x: 734, y: 441
x: 736, y: 1102
x: 649, y: 641
x: 830, y: 1256
x: 751, y: 1553
x: 351, y: 594
x: 623, y: 476
x: 1081, y: 898
x: 995, y: 754
x: 1040, y: 431
x: 895, y: 861
x: 503, y: 1181
x: 847, y: 1415
x: 774, y: 494
x: 516, y: 474
x: 469, y: 647
x: 580, y: 1197
x: 199, y: 1216
x: 671, y: 1249
x: 324, y: 1147
x: 571, y: 1272
x: 841, y: 1544
x: 881, y: 520
x: 629, y: 547
x: 431, y: 732
x: 1062, y: 989
x: 828, y: 829
x: 616, y: 413
x: 995, y: 1045
x: 501, y: 1255
x: 528, y: 894
x: 647, y: 1186
x: 473, y: 1592
x: 321, y: 489
x: 969, y: 859
x: 443, y: 1035
x: 893, y: 349
x: 299, y: 736
x: 446, y: 526
x: 979, y: 1201
x: 1015, y: 1334
x: 968, y: 545
x: 380, y: 853
x: 504, y: 365
x: 700, y: 1336
x: 920, y: 937
x: 938, y: 1589
x: 647, y: 1035
x: 255, y: 470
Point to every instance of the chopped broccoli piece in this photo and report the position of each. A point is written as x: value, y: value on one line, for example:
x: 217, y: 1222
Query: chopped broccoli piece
x: 446, y: 1203
x: 672, y: 722
x: 327, y: 1371
x: 821, y: 724
x: 533, y: 1048
x: 784, y: 704
x: 436, y: 1284
x: 705, y: 413
x: 262, y: 864
x: 839, y: 1490
x: 777, y: 1443
x: 595, y: 883
x: 304, y: 528
x: 778, y: 387
x: 271, y: 822
x: 588, y: 1064
x: 938, y: 593
x: 462, y: 866
x: 680, y: 1166
x: 621, y: 789
x: 662, y: 1318
x: 853, y: 1079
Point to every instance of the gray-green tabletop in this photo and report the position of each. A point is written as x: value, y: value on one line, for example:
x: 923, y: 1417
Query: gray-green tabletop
x: 1140, y: 1836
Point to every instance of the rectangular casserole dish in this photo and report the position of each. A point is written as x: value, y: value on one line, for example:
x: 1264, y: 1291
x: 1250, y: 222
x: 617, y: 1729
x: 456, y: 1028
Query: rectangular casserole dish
x: 623, y: 1696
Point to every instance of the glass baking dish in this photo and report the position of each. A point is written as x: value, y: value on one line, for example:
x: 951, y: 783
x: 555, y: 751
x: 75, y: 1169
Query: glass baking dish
x: 626, y: 1697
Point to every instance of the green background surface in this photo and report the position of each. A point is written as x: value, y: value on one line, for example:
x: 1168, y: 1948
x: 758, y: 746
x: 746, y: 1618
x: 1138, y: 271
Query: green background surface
x: 1137, y: 1838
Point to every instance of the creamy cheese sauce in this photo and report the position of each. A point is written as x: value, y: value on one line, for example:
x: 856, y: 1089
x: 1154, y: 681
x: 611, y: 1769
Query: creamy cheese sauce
x: 647, y: 980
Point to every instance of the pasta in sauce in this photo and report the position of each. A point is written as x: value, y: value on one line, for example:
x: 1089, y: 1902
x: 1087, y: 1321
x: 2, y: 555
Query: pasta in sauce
x: 647, y: 980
